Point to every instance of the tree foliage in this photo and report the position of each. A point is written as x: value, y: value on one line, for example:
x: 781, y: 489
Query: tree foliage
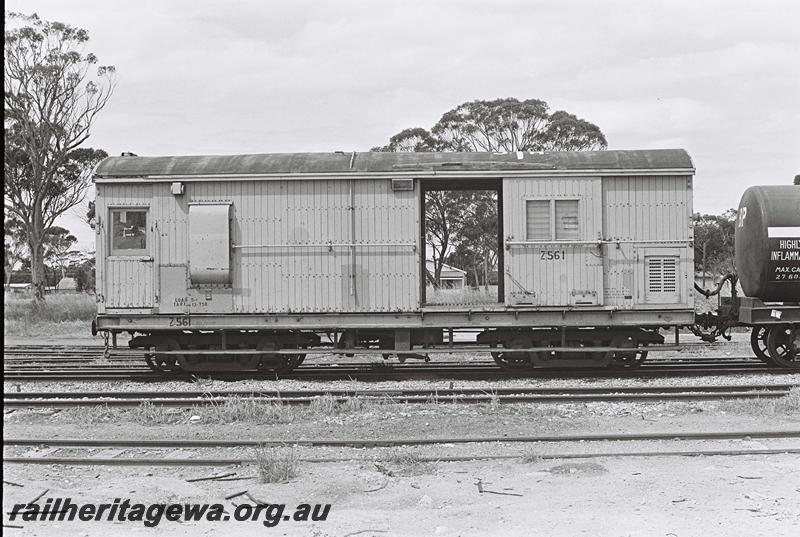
x: 501, y: 125
x: 57, y: 248
x: 53, y: 93
x: 14, y: 247
x: 797, y: 179
x: 85, y: 276
x: 475, y: 249
x: 716, y: 234
x: 458, y: 223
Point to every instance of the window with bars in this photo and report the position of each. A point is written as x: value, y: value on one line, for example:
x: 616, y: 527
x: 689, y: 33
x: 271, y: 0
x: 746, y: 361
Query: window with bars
x: 129, y: 232
x: 662, y: 275
x: 552, y: 220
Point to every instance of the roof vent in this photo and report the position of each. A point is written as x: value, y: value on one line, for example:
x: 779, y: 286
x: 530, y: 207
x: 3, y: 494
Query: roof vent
x: 128, y: 154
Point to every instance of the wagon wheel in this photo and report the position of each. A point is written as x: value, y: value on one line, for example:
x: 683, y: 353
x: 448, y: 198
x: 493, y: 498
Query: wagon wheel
x: 758, y: 342
x: 783, y: 343
x: 515, y: 361
x: 294, y: 360
x: 544, y: 358
x: 635, y: 358
x: 270, y: 362
x: 164, y: 363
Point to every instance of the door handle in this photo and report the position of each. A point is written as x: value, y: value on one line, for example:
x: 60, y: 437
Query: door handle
x: 147, y: 260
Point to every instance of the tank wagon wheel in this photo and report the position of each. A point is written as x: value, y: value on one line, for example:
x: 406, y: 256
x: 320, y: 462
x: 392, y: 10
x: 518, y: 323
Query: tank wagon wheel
x: 516, y: 361
x: 631, y: 359
x: 164, y: 363
x: 272, y: 362
x: 758, y: 342
x: 783, y: 343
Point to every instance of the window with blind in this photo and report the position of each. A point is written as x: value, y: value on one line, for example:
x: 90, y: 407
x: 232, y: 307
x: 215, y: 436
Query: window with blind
x: 552, y: 220
x: 537, y: 214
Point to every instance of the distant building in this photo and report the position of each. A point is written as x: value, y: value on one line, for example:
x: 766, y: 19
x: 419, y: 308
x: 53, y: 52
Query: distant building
x: 450, y: 278
x: 20, y: 288
x: 67, y: 285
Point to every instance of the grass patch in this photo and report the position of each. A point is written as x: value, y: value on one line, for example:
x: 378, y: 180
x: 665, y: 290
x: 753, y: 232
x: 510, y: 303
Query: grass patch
x: 330, y: 405
x: 149, y: 414
x: 276, y: 465
x: 91, y: 414
x: 57, y: 314
x: 583, y: 468
x: 54, y: 308
x: 789, y: 405
x: 241, y: 409
x: 409, y: 463
x: 493, y: 404
x: 462, y: 296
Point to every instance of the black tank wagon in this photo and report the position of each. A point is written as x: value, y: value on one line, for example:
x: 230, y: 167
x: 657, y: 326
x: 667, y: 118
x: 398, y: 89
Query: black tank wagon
x: 255, y: 261
x: 768, y: 267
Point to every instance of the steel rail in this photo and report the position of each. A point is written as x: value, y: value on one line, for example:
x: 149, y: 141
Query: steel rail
x: 230, y: 461
x: 393, y: 442
x: 460, y: 399
x: 178, y: 399
x: 709, y: 388
x: 487, y: 372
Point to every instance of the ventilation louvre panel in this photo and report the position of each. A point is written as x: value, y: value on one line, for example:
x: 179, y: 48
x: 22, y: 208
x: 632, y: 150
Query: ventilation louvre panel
x: 662, y: 275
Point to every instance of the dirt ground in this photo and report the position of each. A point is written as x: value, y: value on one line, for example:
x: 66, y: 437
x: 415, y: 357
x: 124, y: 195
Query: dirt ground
x: 547, y: 495
x: 669, y: 496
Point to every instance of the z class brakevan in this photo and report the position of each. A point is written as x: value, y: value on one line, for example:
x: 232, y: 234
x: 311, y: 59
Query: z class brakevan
x: 253, y: 262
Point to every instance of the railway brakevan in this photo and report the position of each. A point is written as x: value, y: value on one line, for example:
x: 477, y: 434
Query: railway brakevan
x: 255, y: 261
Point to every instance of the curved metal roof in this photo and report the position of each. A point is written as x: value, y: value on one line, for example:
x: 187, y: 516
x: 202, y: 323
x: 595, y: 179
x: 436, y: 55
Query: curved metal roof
x: 375, y: 162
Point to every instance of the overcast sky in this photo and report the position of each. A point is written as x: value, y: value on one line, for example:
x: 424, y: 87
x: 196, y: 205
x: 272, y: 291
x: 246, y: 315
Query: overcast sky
x: 720, y: 79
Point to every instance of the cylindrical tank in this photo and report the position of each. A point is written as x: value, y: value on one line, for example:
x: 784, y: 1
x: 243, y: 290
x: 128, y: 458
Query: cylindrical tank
x: 768, y: 243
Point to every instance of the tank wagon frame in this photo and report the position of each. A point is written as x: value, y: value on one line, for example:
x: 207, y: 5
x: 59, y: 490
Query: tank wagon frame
x: 255, y: 261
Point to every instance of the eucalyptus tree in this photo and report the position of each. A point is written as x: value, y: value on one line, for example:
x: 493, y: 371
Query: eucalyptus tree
x: 54, y: 91
x: 459, y: 224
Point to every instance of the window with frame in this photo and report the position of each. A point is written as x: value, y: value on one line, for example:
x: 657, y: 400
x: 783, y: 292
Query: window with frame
x: 552, y: 220
x: 129, y: 231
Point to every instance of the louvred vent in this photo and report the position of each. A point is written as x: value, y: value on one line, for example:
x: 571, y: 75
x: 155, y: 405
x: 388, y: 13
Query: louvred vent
x: 662, y: 275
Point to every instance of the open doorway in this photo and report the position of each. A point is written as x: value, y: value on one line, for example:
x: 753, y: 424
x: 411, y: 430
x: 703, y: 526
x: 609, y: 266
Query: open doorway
x: 462, y: 261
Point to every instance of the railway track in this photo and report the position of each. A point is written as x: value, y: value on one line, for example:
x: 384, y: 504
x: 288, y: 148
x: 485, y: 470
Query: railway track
x: 462, y: 396
x: 25, y: 363
x: 367, y: 371
x: 89, y: 458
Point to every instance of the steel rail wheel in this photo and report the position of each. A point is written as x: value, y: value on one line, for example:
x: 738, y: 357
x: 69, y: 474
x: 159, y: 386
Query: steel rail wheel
x: 783, y: 342
x: 632, y: 359
x: 271, y: 362
x: 516, y: 361
x: 164, y: 363
x: 758, y: 342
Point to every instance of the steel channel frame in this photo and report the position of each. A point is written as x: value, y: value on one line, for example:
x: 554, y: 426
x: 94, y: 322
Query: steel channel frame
x: 424, y: 350
x: 571, y: 318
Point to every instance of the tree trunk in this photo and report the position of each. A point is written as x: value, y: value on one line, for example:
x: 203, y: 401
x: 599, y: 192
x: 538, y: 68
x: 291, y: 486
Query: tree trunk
x: 35, y: 240
x: 704, y: 264
x: 486, y: 273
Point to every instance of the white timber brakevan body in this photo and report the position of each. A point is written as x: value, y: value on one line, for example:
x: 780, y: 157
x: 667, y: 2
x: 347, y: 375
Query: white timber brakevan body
x: 337, y: 239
